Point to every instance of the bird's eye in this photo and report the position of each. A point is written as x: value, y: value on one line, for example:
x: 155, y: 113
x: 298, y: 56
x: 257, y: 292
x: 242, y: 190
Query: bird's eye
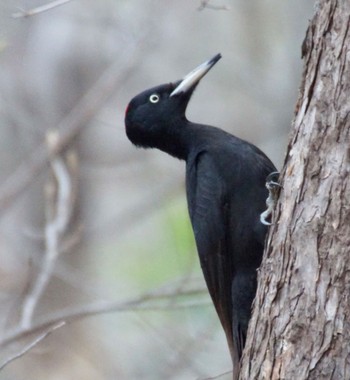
x: 154, y: 98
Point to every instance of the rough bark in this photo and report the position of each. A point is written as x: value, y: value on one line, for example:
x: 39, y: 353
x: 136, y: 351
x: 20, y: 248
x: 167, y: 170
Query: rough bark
x: 300, y: 328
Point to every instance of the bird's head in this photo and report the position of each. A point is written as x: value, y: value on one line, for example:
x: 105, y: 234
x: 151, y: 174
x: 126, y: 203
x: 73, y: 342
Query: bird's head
x: 151, y: 114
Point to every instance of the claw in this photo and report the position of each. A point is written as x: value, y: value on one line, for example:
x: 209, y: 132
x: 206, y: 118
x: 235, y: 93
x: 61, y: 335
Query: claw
x: 264, y: 215
x: 273, y: 186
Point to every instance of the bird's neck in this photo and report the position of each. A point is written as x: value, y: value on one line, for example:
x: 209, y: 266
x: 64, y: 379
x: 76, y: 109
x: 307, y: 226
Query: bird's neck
x: 177, y: 139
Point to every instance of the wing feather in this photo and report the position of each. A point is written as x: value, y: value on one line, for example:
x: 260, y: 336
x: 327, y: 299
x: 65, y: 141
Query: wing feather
x: 228, y: 232
x: 208, y: 207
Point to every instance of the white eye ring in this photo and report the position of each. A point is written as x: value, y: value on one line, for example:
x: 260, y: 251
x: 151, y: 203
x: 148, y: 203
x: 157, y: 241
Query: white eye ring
x: 154, y: 98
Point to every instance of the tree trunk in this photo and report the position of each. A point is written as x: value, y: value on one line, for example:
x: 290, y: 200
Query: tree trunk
x: 300, y: 328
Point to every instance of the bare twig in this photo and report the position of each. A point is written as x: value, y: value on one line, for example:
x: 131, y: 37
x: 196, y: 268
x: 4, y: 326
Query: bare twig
x: 41, y: 9
x: 204, y: 4
x: 31, y: 345
x: 68, y: 128
x: 218, y: 376
x: 58, y: 216
x: 72, y: 314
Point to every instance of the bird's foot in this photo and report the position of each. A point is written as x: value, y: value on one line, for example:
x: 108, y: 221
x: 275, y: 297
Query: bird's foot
x: 273, y: 186
x: 264, y: 216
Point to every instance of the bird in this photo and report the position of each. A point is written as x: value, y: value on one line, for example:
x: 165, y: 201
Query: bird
x: 226, y: 194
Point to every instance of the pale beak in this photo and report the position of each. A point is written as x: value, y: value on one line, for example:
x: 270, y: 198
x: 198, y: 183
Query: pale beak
x: 191, y: 80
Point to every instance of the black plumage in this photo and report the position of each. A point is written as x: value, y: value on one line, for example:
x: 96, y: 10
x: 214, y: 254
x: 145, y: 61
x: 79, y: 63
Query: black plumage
x: 225, y: 183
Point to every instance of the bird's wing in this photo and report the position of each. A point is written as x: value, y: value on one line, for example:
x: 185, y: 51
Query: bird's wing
x: 209, y: 208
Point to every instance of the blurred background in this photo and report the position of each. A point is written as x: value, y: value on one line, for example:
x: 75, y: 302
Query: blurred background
x: 101, y: 228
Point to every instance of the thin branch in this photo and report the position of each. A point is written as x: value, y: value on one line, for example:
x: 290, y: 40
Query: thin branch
x: 218, y: 376
x: 72, y: 314
x: 204, y: 4
x: 31, y: 345
x: 68, y: 128
x: 40, y: 9
x: 58, y: 215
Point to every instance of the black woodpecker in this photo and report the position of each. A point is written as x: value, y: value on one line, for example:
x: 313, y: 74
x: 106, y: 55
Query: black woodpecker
x: 226, y: 194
